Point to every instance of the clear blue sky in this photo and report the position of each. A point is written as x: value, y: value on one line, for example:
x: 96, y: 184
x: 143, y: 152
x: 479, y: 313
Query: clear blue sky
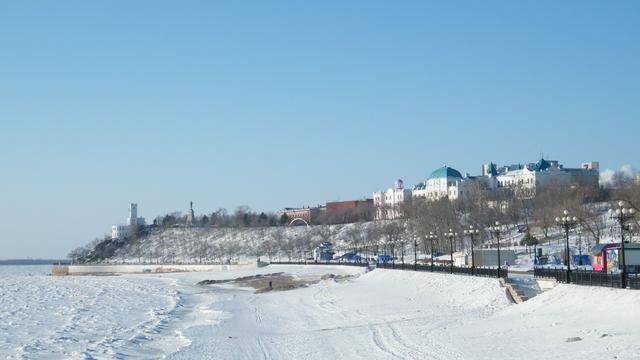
x: 272, y: 104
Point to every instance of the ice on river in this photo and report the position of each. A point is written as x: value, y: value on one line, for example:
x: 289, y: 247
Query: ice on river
x: 84, y: 317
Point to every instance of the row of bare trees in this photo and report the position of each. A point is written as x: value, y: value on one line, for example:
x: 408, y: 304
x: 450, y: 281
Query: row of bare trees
x: 243, y: 216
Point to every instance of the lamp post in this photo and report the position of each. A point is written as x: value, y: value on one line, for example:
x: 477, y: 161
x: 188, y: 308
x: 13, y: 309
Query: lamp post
x: 496, y: 230
x: 451, y: 235
x: 471, y: 232
x: 415, y: 252
x: 579, y: 248
x: 567, y: 223
x: 622, y: 214
x: 432, y: 237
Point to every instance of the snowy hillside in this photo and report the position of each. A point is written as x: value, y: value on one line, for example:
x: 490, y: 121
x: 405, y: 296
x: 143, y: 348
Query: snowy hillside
x: 205, y: 244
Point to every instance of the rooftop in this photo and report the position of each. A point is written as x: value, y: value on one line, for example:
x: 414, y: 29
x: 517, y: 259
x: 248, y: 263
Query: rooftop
x: 445, y: 172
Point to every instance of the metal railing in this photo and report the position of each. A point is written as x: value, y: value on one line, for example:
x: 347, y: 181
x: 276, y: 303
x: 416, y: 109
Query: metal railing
x: 588, y: 277
x: 476, y: 271
x: 633, y: 281
x: 324, y: 262
x: 462, y: 270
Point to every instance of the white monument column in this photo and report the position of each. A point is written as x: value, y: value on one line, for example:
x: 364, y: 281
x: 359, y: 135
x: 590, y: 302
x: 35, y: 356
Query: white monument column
x: 133, y: 214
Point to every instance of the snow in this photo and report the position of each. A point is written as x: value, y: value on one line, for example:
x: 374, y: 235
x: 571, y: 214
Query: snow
x: 83, y: 317
x: 192, y: 244
x: 382, y: 314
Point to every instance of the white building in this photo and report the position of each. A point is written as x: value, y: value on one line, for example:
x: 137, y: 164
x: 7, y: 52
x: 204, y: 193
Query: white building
x: 526, y: 180
x: 521, y: 180
x: 119, y: 231
x: 443, y: 182
x: 388, y: 204
x: 133, y: 218
x: 123, y: 231
x: 485, y: 257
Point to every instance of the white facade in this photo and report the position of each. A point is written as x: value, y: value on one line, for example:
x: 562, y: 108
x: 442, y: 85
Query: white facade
x: 122, y: 231
x: 526, y: 180
x: 522, y: 180
x: 388, y: 203
x: 133, y: 218
x: 443, y: 182
x: 119, y: 231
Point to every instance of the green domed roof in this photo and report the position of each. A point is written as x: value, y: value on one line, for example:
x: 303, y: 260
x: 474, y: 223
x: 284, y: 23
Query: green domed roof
x: 445, y: 172
x: 542, y: 164
x: 492, y: 170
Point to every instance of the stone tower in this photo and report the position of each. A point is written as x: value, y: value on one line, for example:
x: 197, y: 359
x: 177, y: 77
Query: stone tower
x: 133, y: 214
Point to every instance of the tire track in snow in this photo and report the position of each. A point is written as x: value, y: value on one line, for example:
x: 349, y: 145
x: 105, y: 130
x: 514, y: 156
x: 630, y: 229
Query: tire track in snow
x: 386, y: 335
x: 393, y: 345
x: 264, y: 351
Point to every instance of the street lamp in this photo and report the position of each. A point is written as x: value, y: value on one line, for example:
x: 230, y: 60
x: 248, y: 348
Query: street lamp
x: 451, y: 235
x: 567, y: 223
x: 496, y: 230
x: 579, y: 248
x: 415, y: 252
x: 622, y: 214
x: 432, y: 237
x: 471, y: 232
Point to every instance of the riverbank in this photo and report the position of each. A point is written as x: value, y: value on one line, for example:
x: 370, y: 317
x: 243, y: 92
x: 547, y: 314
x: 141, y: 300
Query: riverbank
x: 112, y: 269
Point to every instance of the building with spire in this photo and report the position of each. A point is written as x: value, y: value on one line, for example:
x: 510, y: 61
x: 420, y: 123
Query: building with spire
x: 123, y: 231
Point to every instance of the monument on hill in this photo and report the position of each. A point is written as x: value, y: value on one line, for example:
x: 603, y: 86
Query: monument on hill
x: 190, y: 215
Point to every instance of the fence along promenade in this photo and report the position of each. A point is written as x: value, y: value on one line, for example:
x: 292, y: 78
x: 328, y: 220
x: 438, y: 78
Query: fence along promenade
x: 588, y: 277
x: 472, y: 271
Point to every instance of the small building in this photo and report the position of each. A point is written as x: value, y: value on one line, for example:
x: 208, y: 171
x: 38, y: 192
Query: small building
x: 350, y: 204
x: 489, y: 257
x: 119, y: 231
x: 308, y: 214
x: 343, y: 212
x: 323, y: 252
x: 460, y: 259
x: 631, y: 259
x: 599, y: 256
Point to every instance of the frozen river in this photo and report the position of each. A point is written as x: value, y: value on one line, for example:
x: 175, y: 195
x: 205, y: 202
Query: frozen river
x: 383, y: 314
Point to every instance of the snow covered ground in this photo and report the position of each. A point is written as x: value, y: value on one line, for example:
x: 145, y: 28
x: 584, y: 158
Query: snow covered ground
x: 383, y: 314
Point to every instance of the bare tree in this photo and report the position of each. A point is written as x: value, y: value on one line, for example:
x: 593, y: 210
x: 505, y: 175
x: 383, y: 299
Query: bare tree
x: 355, y: 236
x: 392, y: 232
